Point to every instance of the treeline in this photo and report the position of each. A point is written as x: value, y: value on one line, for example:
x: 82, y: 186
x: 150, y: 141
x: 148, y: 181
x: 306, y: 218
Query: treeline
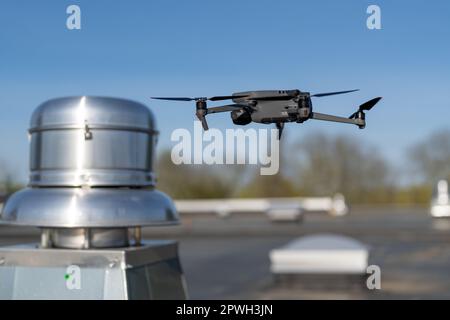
x: 316, y: 165
x: 321, y: 165
x: 8, y: 184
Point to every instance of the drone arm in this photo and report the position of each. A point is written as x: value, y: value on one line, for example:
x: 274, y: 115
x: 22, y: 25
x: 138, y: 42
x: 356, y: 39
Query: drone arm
x: 328, y: 117
x: 226, y: 108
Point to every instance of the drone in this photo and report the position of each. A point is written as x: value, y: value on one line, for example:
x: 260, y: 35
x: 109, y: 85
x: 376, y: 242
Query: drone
x: 274, y: 106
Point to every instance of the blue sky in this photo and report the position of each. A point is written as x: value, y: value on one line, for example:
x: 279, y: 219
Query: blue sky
x: 136, y: 49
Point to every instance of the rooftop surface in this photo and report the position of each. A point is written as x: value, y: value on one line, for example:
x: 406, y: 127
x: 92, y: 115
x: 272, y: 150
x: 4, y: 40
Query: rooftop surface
x: 229, y: 258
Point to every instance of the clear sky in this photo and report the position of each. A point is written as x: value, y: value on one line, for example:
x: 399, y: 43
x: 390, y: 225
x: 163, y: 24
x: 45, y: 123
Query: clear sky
x: 136, y: 49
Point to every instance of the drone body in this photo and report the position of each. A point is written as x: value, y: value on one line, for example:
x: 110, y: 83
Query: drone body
x: 274, y: 106
x: 270, y: 106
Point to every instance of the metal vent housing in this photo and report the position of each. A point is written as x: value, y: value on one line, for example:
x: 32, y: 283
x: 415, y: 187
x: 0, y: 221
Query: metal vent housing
x: 92, y: 141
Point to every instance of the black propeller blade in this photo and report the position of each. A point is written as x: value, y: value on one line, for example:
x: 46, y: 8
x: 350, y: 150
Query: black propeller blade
x: 366, y: 106
x: 175, y: 99
x: 216, y: 98
x: 332, y: 93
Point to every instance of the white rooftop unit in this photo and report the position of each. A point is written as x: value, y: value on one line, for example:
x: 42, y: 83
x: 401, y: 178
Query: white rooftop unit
x: 320, y: 254
x: 275, y: 208
x: 440, y: 204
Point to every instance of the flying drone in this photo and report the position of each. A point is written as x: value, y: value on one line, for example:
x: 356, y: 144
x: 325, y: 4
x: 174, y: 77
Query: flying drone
x: 274, y: 106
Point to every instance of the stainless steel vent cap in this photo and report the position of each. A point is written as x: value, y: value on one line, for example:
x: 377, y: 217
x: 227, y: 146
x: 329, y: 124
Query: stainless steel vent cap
x: 92, y: 141
x: 71, y: 112
x: 88, y: 208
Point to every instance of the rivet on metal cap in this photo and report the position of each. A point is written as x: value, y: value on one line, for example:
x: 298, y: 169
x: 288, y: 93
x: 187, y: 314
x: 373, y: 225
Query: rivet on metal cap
x: 87, y: 131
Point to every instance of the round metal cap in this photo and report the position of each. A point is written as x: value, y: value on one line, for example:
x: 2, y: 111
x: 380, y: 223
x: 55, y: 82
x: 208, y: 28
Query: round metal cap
x: 97, y: 112
x: 93, y: 207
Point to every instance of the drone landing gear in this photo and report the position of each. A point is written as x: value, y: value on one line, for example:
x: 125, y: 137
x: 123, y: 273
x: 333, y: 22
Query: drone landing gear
x: 280, y: 127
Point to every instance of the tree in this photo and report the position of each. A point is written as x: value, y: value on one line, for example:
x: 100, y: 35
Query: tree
x: 7, y: 182
x: 342, y: 164
x: 196, y: 181
x: 277, y: 185
x: 269, y: 186
x: 431, y: 157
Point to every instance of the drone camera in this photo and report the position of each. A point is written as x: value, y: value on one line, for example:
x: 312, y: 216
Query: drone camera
x: 241, y: 117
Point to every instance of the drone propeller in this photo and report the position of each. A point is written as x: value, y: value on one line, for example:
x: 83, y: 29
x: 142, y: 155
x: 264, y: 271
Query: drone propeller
x: 216, y: 98
x: 332, y: 93
x: 175, y: 99
x: 366, y: 106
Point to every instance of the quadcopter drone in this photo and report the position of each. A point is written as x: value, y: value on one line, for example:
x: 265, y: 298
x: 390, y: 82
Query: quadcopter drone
x: 274, y: 106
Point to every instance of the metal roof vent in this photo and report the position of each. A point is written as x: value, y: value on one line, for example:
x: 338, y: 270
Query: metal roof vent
x: 92, y: 186
x: 91, y: 162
